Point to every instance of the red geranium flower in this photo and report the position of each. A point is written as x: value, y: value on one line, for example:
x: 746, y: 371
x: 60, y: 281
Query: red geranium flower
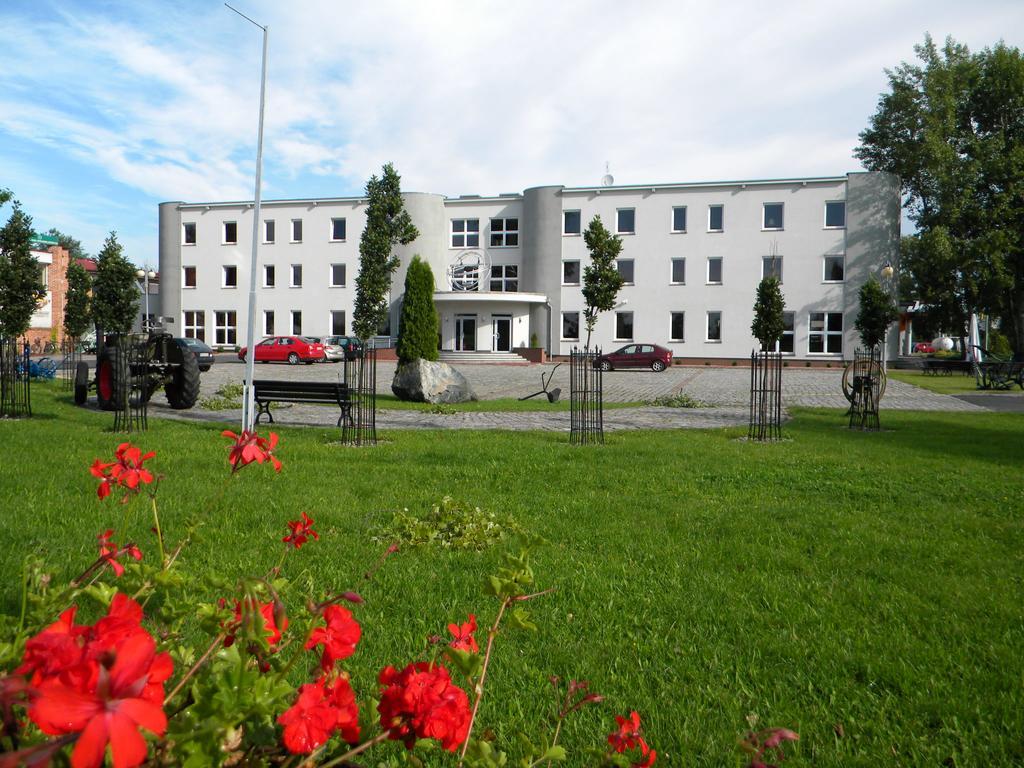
x: 127, y: 471
x: 421, y: 702
x: 301, y: 530
x: 628, y: 737
x: 59, y: 648
x: 339, y: 637
x: 462, y: 635
x: 250, y: 447
x: 265, y: 614
x: 322, y: 708
x: 110, y: 551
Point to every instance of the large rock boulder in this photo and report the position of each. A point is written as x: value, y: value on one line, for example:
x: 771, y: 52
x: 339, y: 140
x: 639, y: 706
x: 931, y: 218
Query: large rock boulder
x: 422, y: 381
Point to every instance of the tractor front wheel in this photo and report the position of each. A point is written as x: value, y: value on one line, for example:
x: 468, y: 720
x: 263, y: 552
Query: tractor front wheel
x: 182, y: 389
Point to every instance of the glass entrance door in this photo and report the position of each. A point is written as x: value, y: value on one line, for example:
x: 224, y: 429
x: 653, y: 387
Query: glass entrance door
x: 502, y: 333
x: 465, y: 333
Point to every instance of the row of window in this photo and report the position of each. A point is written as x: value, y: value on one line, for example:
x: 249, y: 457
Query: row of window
x: 833, y: 270
x: 225, y: 325
x: 229, y: 276
x: 229, y: 232
x: 465, y: 233
x: 772, y: 218
x: 825, y: 329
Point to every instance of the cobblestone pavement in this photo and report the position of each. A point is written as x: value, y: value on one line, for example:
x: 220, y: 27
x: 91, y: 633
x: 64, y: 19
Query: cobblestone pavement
x: 725, y: 391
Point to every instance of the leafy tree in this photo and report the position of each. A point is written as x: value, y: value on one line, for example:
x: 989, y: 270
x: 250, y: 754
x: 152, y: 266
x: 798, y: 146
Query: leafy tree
x: 69, y: 244
x: 418, y: 326
x: 601, y: 278
x: 387, y: 224
x: 20, y: 285
x: 768, y: 323
x: 952, y: 129
x: 876, y: 314
x: 115, y: 293
x: 76, y: 303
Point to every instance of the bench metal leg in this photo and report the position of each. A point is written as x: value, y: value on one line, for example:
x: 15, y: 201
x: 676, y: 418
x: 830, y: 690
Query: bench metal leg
x: 264, y: 408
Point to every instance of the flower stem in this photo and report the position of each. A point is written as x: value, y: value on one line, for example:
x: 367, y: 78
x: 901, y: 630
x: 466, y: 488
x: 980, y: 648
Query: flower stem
x: 357, y: 750
x: 159, y: 535
x: 479, y: 688
x: 195, y: 667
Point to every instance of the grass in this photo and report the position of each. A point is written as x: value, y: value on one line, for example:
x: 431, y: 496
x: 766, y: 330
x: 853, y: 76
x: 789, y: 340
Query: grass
x: 954, y: 384
x: 862, y: 588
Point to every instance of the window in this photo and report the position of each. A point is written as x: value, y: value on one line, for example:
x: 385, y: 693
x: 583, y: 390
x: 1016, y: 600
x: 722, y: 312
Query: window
x: 230, y: 277
x: 571, y: 325
x: 268, y: 322
x: 825, y: 333
x: 834, y: 269
x: 679, y: 218
x: 714, y: 328
x: 504, y: 233
x: 835, y: 214
x: 786, y: 344
x: 625, y: 221
x: 677, y: 329
x: 269, y: 276
x: 230, y: 233
x: 296, y: 322
x: 337, y: 230
x: 570, y: 273
x: 771, y: 266
x: 296, y: 230
x: 715, y: 270
x: 195, y: 325
x: 571, y: 222
x: 224, y: 328
x: 189, y: 277
x: 188, y: 233
x: 269, y: 231
x: 624, y: 325
x: 716, y: 218
x: 337, y: 275
x: 625, y: 267
x: 296, y: 276
x: 337, y: 322
x: 505, y: 277
x: 465, y: 233
x: 679, y: 271
x: 772, y: 216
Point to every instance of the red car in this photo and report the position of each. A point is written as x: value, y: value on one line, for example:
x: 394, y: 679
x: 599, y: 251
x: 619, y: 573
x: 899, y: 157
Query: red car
x: 924, y: 347
x: 636, y: 356
x: 287, y: 349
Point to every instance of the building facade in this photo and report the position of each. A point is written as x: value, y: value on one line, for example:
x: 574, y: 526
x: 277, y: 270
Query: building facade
x: 509, y: 269
x: 47, y: 322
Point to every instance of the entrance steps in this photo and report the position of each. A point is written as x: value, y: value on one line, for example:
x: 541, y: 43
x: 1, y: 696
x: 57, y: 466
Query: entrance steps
x: 490, y: 358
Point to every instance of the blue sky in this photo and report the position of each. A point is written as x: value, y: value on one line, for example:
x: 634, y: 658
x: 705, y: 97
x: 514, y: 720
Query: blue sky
x: 108, y: 108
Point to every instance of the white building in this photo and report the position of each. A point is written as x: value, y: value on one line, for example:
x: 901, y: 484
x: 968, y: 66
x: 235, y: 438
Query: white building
x: 509, y: 268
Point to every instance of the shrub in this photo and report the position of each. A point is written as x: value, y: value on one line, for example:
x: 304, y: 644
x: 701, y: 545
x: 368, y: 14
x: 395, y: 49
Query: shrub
x: 418, y: 326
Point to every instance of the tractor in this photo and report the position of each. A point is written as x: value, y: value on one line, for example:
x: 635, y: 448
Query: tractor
x: 162, y: 363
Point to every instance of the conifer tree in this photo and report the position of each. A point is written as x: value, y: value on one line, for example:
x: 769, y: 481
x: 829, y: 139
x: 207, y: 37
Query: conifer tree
x: 877, y: 312
x: 21, y: 288
x: 115, y: 297
x: 418, y: 327
x: 768, y: 322
x: 76, y: 303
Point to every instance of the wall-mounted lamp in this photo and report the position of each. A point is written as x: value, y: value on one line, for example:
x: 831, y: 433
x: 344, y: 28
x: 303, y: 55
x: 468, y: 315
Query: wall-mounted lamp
x: 888, y: 270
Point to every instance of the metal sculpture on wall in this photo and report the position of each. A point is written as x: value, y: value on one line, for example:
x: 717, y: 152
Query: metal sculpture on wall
x: 765, y: 396
x: 15, y: 363
x: 864, y: 385
x: 586, y: 395
x: 360, y: 428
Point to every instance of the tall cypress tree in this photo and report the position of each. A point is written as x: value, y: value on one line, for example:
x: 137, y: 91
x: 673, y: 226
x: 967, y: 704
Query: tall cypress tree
x: 601, y: 278
x: 76, y: 302
x: 388, y: 224
x: 768, y: 322
x: 115, y: 296
x: 20, y: 285
x: 876, y: 314
x: 417, y: 330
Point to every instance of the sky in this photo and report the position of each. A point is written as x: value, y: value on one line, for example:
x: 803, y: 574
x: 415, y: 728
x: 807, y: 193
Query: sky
x: 108, y: 108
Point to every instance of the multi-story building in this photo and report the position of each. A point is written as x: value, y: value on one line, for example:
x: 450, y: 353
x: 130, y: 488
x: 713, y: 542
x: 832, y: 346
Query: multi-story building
x: 47, y: 323
x: 509, y: 269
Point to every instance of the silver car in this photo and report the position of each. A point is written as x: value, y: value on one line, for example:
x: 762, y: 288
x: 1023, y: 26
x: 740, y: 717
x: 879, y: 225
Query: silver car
x: 332, y: 352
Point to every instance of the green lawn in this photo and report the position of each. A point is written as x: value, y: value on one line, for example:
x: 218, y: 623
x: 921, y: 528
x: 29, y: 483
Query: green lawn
x: 864, y: 589
x: 954, y: 384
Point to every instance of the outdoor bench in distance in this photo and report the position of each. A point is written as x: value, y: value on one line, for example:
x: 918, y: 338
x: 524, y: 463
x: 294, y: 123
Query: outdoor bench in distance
x: 267, y: 392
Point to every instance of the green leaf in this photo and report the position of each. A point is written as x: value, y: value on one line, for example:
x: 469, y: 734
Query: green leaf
x: 519, y: 619
x: 556, y: 752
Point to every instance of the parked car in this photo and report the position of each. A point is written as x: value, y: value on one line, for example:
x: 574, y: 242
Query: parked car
x: 636, y: 356
x: 286, y: 349
x: 203, y: 353
x: 924, y: 347
x: 351, y: 346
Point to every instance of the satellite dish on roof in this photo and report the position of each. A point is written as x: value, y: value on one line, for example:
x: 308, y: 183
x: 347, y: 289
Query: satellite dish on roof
x: 607, y: 180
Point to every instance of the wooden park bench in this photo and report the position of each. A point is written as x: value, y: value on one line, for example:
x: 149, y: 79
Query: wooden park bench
x: 995, y: 372
x: 935, y: 366
x: 266, y: 392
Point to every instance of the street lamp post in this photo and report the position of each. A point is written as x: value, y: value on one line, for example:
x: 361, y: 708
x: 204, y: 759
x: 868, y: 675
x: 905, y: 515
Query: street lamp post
x: 887, y: 272
x: 145, y: 275
x: 248, y: 395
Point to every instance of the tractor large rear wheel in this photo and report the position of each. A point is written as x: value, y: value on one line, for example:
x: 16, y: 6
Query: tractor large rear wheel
x: 182, y: 388
x: 111, y: 383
